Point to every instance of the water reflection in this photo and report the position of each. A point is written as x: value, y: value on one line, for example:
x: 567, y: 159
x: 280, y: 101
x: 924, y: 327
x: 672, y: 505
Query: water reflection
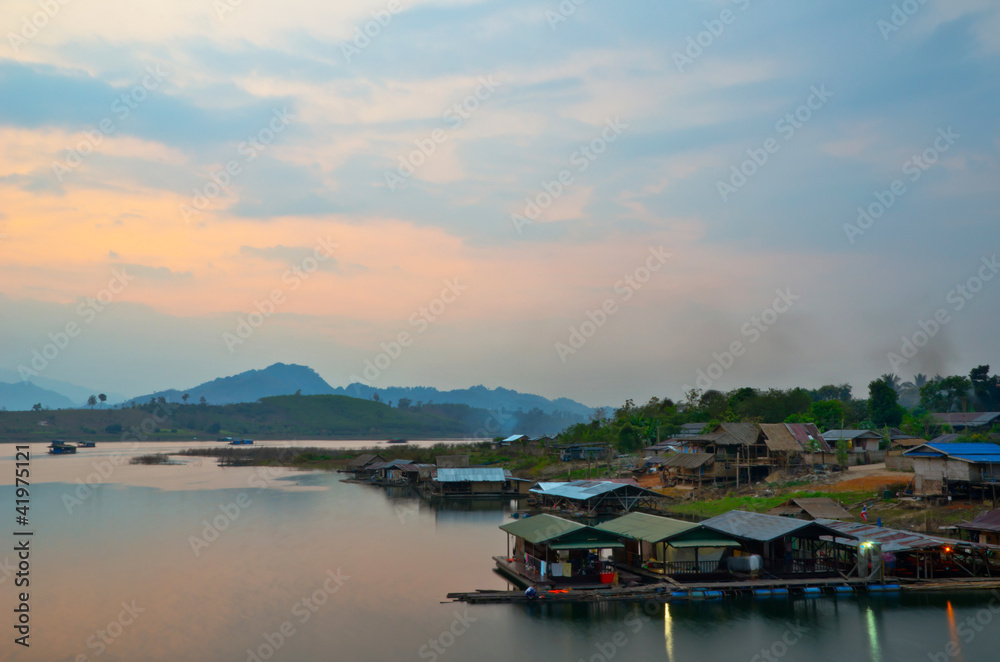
x: 132, y: 543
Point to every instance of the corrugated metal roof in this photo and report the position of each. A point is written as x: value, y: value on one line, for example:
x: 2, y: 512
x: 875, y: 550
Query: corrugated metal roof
x: 540, y: 528
x: 362, y: 460
x: 805, y: 433
x: 894, y: 540
x: 847, y: 435
x: 482, y: 475
x: 760, y: 527
x: 642, y: 526
x: 988, y: 521
x: 515, y: 437
x: 779, y: 438
x: 586, y: 489
x: 969, y: 419
x: 687, y: 460
x: 966, y: 452
x: 817, y: 508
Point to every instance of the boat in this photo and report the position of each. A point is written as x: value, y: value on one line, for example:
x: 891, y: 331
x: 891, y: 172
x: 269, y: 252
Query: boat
x: 241, y: 442
x: 60, y: 447
x: 397, y: 441
x: 86, y: 444
x: 224, y: 439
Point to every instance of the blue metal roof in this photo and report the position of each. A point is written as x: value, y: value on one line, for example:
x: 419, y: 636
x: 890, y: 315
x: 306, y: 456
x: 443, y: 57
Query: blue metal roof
x: 580, y: 489
x: 488, y: 475
x: 968, y: 452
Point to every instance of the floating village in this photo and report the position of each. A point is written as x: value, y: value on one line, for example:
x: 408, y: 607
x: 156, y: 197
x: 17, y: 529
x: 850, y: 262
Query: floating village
x: 612, y: 539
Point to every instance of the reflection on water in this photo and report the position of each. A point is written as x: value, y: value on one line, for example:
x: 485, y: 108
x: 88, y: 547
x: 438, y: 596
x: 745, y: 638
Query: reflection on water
x: 267, y: 566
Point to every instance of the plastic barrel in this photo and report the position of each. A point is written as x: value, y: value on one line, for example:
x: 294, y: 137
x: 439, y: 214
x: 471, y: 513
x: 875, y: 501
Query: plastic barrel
x: 843, y: 589
x: 811, y: 590
x: 713, y: 595
x: 780, y: 591
x: 762, y: 592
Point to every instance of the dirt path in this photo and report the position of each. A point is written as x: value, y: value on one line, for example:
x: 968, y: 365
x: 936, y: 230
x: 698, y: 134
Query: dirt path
x: 866, y: 477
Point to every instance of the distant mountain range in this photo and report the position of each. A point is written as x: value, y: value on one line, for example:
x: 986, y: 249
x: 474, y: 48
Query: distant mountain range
x: 286, y: 379
x: 16, y: 394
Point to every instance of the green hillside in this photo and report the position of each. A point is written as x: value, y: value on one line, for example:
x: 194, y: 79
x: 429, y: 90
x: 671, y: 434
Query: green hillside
x: 279, y: 417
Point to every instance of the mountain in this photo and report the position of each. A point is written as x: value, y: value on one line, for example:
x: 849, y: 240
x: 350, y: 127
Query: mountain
x: 77, y: 394
x: 250, y: 386
x: 22, y: 396
x: 480, y: 397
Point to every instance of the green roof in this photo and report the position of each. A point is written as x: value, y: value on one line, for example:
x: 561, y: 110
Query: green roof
x: 650, y: 528
x: 539, y: 528
x: 559, y: 533
x: 675, y: 532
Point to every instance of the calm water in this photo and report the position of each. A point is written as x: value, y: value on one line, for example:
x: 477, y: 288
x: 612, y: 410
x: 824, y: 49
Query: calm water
x: 308, y: 568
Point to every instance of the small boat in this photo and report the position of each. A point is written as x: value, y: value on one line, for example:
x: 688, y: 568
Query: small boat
x: 60, y: 447
x: 86, y: 444
x: 396, y: 441
x: 241, y: 442
x: 224, y: 439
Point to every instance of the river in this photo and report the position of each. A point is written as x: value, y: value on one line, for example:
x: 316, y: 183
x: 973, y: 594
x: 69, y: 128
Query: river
x: 195, y: 562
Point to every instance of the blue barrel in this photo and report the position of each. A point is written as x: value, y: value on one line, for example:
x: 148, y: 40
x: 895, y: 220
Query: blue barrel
x: 762, y: 592
x: 891, y: 587
x: 679, y: 595
x: 876, y: 588
x: 811, y: 590
x: 843, y: 589
x: 780, y: 591
x: 713, y: 595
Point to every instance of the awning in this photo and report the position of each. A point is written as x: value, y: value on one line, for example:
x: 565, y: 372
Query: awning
x: 607, y: 544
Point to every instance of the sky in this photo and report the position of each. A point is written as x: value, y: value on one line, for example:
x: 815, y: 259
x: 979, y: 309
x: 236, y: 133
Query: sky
x: 584, y: 199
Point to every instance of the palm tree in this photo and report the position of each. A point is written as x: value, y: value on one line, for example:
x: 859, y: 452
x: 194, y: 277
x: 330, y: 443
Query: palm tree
x: 103, y: 398
x: 185, y: 398
x: 92, y: 401
x: 892, y: 380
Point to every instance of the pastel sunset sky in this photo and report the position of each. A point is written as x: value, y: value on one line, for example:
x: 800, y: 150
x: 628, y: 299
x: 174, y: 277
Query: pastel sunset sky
x: 588, y: 199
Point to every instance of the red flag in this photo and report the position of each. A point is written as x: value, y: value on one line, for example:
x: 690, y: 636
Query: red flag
x: 864, y: 513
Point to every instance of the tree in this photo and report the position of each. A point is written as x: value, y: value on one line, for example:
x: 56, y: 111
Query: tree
x: 883, y: 404
x: 842, y: 451
x: 36, y: 407
x: 103, y: 398
x: 185, y: 398
x: 202, y: 401
x: 92, y: 401
x: 986, y: 388
x: 404, y: 403
x: 827, y: 414
x: 892, y: 380
x: 946, y: 394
